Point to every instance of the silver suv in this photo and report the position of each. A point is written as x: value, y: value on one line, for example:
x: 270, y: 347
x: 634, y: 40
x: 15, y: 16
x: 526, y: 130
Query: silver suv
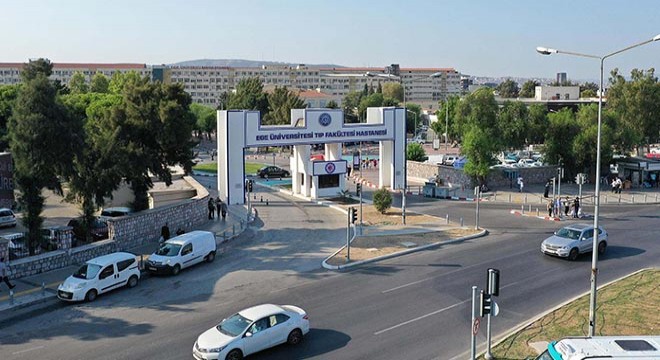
x: 573, y: 240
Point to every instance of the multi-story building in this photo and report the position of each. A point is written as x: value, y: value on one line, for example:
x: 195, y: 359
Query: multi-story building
x: 206, y: 84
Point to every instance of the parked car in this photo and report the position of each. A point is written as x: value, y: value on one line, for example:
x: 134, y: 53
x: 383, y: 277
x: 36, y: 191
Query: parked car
x: 7, y: 218
x: 573, y: 240
x: 526, y: 163
x: 114, y: 212
x: 272, y: 172
x: 100, y: 275
x: 252, y: 330
x: 182, y: 251
x: 449, y: 159
x: 99, y: 229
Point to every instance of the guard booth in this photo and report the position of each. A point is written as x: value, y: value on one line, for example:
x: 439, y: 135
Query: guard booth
x: 240, y: 129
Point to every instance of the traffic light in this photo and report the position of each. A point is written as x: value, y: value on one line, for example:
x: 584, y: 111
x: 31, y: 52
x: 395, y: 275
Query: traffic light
x: 353, y: 214
x: 249, y: 185
x: 486, y: 303
x: 358, y: 189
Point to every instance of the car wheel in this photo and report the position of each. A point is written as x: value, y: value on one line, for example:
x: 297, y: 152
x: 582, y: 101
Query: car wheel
x: 132, y: 281
x: 210, y: 257
x: 286, y: 174
x: 573, y: 255
x: 602, y: 247
x: 91, y: 295
x: 234, y: 355
x: 176, y: 269
x: 295, y: 337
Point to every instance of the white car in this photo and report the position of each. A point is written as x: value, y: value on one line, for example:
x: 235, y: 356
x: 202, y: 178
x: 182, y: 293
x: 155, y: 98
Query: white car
x: 252, y: 330
x: 100, y: 275
x: 7, y: 217
x: 573, y: 240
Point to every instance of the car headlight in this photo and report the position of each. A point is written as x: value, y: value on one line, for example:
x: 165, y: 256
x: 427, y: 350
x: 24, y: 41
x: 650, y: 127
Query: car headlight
x: 212, y: 350
x: 565, y: 247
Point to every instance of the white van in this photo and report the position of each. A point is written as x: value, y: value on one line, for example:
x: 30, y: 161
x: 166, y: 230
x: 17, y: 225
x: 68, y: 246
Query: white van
x: 100, y: 275
x: 603, y: 347
x: 182, y: 251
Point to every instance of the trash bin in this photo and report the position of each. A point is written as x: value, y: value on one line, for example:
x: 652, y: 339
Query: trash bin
x: 429, y: 189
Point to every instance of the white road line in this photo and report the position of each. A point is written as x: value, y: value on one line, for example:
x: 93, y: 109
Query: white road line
x: 421, y: 317
x: 26, y: 350
x: 447, y: 273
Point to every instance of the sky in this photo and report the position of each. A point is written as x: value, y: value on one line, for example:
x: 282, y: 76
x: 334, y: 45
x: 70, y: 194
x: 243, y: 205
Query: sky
x: 479, y: 37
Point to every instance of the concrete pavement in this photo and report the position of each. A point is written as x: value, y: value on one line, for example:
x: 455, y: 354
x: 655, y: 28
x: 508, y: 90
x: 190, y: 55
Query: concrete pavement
x: 36, y: 292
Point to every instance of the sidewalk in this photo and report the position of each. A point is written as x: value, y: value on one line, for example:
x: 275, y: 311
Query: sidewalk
x: 38, y: 292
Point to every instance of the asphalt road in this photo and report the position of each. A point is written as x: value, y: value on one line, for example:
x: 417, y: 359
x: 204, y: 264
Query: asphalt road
x: 412, y: 307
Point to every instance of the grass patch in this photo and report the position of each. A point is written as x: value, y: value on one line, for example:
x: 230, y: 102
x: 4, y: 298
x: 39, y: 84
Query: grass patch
x: 627, y: 307
x: 250, y: 168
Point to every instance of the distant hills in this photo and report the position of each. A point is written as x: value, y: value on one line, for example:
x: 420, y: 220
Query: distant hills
x: 243, y: 63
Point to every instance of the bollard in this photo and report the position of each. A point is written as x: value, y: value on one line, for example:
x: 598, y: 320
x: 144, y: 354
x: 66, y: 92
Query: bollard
x: 529, y: 208
x: 495, y: 197
x: 509, y: 197
x: 619, y: 198
x: 224, y: 236
x: 605, y: 199
x: 233, y: 229
x: 447, y: 218
x: 537, y: 211
x: 262, y: 199
x: 656, y: 197
x: 255, y: 197
x: 43, y: 288
x: 644, y: 198
x: 461, y: 222
x: 522, y: 209
x: 11, y: 297
x: 632, y: 198
x: 266, y: 202
x: 525, y: 198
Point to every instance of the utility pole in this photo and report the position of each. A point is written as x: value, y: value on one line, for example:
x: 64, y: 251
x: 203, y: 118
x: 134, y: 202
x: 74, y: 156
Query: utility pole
x: 446, y: 126
x: 477, y: 192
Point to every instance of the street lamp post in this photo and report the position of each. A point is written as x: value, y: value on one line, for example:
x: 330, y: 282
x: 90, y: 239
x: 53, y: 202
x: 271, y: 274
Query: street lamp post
x: 594, y: 257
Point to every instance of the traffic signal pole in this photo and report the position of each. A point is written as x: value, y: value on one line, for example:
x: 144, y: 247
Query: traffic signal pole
x: 348, y: 234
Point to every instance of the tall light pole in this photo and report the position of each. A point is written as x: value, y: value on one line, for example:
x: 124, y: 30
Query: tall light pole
x: 594, y: 257
x: 446, y: 126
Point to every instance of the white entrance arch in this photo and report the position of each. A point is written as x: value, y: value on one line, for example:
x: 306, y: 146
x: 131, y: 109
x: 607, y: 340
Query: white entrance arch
x: 240, y: 129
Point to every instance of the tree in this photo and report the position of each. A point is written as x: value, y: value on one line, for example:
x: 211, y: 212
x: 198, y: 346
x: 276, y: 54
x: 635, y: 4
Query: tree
x: 393, y: 90
x: 350, y: 105
x: 205, y: 119
x: 476, y: 120
x: 373, y: 100
x: 589, y: 89
x: 249, y: 96
x: 40, y: 138
x: 562, y: 129
x: 537, y: 123
x: 280, y: 103
x: 415, y: 152
x: 585, y: 142
x: 529, y: 89
x: 382, y: 200
x: 512, y: 122
x: 8, y: 94
x: 446, y: 111
x: 379, y: 89
x: 78, y: 84
x: 636, y: 103
x: 100, y: 83
x: 508, y: 89
x: 120, y: 80
x: 332, y: 105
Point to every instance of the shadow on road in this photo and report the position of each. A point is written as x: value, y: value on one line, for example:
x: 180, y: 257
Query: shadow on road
x: 317, y: 342
x: 619, y: 252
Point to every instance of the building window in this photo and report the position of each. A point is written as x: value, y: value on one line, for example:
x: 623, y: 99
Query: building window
x: 328, y: 181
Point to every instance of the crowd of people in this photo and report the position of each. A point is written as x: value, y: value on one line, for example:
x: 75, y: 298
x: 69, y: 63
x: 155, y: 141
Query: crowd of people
x: 564, y: 207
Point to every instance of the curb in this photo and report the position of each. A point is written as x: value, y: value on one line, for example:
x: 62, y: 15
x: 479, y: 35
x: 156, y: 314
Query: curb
x: 396, y: 254
x: 527, y: 323
x: 28, y: 309
x: 549, y: 218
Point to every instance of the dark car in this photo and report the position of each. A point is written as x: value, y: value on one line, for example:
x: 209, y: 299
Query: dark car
x: 99, y: 229
x: 272, y: 172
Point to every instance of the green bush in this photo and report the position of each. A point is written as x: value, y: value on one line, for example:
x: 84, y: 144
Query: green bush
x: 382, y: 200
x: 415, y: 152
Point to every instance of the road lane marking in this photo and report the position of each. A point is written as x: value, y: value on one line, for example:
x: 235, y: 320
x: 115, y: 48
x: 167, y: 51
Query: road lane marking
x: 26, y: 350
x: 447, y: 273
x: 421, y: 317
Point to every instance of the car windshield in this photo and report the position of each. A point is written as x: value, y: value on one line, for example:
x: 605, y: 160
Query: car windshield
x: 569, y: 233
x: 168, y: 249
x: 87, y: 271
x: 234, y: 325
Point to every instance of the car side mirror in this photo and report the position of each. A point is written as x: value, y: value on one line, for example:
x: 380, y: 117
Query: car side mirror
x: 248, y: 334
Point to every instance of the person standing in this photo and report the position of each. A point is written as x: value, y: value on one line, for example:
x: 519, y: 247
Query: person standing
x: 567, y: 206
x: 3, y: 274
x: 224, y: 210
x: 164, y: 233
x: 520, y: 183
x: 546, y: 189
x: 550, y: 208
x: 576, y: 203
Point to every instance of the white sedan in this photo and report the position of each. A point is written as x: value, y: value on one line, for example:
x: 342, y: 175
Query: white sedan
x: 252, y: 330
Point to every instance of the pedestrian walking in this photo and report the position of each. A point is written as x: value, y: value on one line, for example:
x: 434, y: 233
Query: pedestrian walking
x: 550, y: 208
x: 211, y: 208
x: 557, y: 207
x: 546, y: 189
x: 567, y: 206
x: 3, y: 273
x: 576, y: 204
x: 218, y: 204
x: 164, y: 233
x: 520, y: 183
x: 224, y: 210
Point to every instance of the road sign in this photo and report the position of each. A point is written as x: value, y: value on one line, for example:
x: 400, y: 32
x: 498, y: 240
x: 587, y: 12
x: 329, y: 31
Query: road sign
x: 475, y: 326
x: 495, y: 309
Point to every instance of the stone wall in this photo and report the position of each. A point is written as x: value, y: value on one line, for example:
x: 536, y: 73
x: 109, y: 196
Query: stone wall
x: 124, y: 233
x: 497, y: 178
